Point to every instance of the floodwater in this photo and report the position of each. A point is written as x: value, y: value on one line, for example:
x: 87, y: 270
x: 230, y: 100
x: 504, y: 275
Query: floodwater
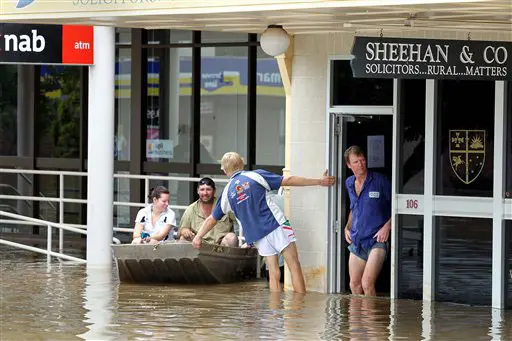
x: 65, y: 301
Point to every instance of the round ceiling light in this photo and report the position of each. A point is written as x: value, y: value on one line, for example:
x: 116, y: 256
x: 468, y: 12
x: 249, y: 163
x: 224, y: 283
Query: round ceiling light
x: 275, y: 40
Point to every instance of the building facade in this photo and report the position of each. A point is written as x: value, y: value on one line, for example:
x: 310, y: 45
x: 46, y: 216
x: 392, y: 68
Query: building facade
x: 451, y: 232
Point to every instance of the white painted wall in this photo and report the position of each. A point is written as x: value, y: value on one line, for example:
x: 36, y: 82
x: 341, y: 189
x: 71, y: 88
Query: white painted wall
x: 308, y: 206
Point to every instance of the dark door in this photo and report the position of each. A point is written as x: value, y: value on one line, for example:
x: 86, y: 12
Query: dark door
x: 374, y: 134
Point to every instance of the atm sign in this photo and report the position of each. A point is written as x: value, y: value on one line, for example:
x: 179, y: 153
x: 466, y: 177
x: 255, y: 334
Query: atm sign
x: 46, y: 44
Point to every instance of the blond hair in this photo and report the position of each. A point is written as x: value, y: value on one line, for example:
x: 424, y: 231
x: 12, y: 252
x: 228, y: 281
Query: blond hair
x: 231, y: 162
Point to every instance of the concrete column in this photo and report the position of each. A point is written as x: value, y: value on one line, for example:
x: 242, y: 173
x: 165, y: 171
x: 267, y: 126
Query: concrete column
x: 25, y: 130
x: 100, y: 156
x: 284, y: 62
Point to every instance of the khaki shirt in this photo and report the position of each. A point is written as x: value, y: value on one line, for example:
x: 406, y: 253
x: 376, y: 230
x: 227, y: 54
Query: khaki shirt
x: 193, y: 220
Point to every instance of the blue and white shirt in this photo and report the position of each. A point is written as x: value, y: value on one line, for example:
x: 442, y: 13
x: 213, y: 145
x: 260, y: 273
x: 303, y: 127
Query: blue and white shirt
x: 166, y: 217
x: 370, y: 210
x: 248, y: 196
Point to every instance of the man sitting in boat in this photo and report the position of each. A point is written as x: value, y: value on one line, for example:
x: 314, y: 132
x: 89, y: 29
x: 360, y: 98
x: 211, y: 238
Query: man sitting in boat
x: 155, y: 222
x: 198, y: 211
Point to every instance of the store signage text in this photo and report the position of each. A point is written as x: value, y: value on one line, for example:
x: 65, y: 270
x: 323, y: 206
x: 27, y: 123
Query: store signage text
x: 46, y: 44
x: 375, y: 57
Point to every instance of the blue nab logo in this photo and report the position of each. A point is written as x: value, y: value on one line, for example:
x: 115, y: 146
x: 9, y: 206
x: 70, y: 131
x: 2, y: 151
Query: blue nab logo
x: 23, y: 3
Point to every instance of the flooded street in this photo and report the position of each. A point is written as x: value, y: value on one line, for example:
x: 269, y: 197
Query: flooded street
x: 65, y: 302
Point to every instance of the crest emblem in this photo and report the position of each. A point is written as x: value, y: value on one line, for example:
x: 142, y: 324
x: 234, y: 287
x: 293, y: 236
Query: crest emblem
x: 467, y: 154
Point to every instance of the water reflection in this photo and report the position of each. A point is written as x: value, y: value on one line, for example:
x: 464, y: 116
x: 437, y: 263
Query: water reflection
x: 69, y: 302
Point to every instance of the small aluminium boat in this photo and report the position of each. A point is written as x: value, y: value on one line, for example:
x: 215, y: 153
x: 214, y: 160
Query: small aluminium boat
x: 180, y: 262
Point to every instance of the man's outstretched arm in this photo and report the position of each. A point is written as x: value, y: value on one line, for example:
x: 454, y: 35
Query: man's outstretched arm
x: 293, y: 180
x: 208, y: 224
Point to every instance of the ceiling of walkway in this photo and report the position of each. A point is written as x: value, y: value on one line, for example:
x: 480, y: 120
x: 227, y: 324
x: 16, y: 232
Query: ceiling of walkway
x: 326, y: 16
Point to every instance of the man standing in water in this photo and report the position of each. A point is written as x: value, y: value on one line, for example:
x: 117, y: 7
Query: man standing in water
x: 369, y: 222
x: 247, y: 195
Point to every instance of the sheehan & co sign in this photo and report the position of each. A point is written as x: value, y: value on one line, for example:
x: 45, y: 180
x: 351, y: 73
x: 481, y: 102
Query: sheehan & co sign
x: 375, y: 57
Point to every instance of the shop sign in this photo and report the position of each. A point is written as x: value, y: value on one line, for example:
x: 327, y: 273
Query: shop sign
x: 376, y: 57
x: 46, y: 44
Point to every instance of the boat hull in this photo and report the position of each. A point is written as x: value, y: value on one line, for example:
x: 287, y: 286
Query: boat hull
x: 180, y: 262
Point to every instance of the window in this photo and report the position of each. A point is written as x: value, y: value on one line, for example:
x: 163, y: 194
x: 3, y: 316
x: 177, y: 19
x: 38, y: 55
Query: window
x: 465, y: 138
x: 223, y: 37
x: 270, y: 112
x: 223, y: 103
x: 168, y: 114
x: 168, y: 37
x: 347, y: 90
x: 410, y: 256
x: 122, y: 104
x: 412, y: 156
x: 58, y: 122
x: 464, y: 260
x: 8, y: 109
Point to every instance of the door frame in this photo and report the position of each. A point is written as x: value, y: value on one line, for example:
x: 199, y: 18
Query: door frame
x: 336, y: 261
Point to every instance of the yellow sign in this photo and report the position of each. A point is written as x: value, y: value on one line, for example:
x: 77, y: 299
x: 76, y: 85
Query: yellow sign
x: 467, y: 154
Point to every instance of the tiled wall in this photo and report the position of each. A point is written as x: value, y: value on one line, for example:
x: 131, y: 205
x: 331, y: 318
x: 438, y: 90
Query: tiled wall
x: 308, y: 206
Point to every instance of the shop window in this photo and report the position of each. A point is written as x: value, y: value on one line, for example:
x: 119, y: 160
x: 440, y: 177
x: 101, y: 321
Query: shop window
x: 508, y: 263
x: 412, y: 128
x: 168, y: 112
x: 347, y: 90
x: 223, y: 103
x: 465, y: 138
x: 123, y: 91
x: 122, y: 194
x: 123, y: 35
x: 410, y: 256
x: 8, y: 109
x: 270, y: 113
x: 223, y: 37
x: 168, y: 37
x: 464, y: 260
x: 58, y: 120
x: 508, y: 160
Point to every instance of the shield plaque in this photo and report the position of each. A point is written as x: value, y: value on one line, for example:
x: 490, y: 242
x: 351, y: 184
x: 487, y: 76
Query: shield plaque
x: 467, y: 154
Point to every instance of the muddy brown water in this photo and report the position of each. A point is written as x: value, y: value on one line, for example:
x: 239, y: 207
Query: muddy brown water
x: 64, y: 301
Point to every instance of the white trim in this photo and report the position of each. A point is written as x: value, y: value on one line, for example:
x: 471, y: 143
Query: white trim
x: 428, y: 220
x: 395, y: 175
x: 362, y: 109
x: 498, y: 225
x: 451, y: 206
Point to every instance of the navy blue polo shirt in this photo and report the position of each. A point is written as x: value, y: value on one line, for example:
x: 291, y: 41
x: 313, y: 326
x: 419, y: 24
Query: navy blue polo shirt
x: 371, y: 210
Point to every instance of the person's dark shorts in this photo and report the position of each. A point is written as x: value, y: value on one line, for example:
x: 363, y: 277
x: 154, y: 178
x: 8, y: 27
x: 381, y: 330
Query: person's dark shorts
x: 364, y: 253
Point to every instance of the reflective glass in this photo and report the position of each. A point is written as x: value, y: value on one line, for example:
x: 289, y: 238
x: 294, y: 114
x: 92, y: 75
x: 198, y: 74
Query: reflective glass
x: 168, y: 113
x: 58, y: 120
x: 122, y: 104
x: 465, y: 138
x: 412, y: 122
x: 410, y: 256
x: 8, y: 109
x: 347, y: 90
x: 270, y: 113
x: 464, y: 260
x: 223, y: 103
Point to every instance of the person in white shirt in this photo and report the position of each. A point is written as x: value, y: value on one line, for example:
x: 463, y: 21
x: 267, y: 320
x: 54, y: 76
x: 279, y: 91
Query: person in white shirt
x: 155, y: 222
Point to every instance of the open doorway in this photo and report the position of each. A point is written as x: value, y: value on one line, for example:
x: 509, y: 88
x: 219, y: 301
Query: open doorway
x: 374, y: 134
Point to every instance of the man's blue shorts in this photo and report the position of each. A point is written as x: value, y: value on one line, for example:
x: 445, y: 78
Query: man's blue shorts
x: 364, y: 253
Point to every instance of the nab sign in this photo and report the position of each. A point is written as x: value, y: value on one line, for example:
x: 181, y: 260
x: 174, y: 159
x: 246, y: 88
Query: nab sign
x: 46, y: 44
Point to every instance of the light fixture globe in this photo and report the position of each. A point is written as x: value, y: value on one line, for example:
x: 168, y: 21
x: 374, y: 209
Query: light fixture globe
x: 275, y: 40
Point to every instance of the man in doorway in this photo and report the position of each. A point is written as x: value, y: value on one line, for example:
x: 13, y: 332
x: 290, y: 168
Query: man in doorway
x: 369, y: 222
x: 248, y: 195
x: 197, y: 212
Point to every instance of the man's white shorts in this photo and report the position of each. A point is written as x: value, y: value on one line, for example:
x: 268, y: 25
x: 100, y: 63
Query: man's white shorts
x: 275, y: 242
